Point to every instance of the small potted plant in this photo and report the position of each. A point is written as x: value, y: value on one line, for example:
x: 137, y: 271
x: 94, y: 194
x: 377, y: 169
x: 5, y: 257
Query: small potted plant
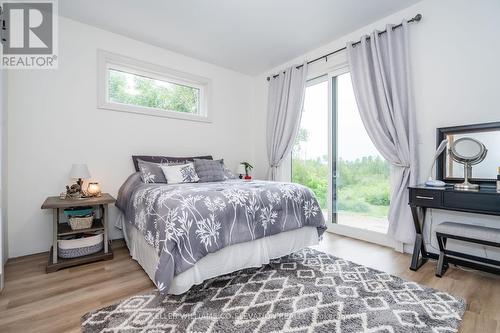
x: 248, y: 167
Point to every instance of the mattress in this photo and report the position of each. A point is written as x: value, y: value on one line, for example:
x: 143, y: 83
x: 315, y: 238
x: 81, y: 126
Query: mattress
x: 229, y: 259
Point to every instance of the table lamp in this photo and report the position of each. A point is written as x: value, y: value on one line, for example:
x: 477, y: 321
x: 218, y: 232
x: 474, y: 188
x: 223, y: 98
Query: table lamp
x: 431, y: 181
x: 80, y: 172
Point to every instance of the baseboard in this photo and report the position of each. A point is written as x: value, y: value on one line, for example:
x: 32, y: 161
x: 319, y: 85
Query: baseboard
x: 408, y: 248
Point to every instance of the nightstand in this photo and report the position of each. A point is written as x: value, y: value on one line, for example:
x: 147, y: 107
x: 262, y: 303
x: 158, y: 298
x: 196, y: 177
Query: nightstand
x: 63, y: 229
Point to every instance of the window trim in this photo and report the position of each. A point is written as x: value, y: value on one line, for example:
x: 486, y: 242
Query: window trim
x: 107, y: 60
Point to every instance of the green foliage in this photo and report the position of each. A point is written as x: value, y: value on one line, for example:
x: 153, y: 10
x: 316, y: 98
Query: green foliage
x: 378, y: 196
x: 138, y: 90
x: 355, y: 205
x: 248, y: 167
x: 313, y: 174
x: 362, y: 185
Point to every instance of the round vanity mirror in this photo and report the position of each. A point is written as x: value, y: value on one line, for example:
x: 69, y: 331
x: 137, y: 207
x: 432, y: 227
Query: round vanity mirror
x: 467, y: 151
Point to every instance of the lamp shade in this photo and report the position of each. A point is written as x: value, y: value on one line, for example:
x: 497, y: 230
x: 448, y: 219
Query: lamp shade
x: 79, y: 171
x: 241, y: 169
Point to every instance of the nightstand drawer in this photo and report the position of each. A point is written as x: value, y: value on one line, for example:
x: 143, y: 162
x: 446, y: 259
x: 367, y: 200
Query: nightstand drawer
x: 426, y: 198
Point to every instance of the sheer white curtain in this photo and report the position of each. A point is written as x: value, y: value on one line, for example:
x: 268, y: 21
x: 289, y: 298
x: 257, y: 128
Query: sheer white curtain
x: 380, y: 76
x: 284, y: 109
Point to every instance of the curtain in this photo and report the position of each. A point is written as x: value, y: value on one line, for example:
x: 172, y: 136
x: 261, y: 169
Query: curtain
x: 284, y: 109
x: 380, y: 76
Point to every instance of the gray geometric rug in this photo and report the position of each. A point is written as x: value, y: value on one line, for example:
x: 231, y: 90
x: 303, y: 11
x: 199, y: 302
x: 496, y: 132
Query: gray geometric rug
x: 308, y: 291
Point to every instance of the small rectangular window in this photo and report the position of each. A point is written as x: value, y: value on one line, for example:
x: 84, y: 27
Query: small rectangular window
x: 133, y: 86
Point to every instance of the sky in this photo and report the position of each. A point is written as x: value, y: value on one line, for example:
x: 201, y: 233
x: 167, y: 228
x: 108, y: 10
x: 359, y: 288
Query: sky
x: 353, y: 141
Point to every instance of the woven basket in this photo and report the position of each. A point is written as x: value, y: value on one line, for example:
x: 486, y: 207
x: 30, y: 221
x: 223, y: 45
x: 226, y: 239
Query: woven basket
x: 72, y: 248
x: 78, y: 223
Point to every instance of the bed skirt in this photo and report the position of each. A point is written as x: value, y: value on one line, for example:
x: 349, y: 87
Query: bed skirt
x: 229, y: 259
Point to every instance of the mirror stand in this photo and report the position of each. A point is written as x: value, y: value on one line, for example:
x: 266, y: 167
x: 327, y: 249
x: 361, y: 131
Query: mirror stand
x: 466, y: 185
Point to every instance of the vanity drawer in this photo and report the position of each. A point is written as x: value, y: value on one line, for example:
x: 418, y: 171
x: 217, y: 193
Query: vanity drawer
x: 473, y: 202
x: 426, y: 198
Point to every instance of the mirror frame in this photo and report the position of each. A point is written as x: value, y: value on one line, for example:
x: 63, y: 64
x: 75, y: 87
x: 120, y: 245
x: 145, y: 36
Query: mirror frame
x: 441, y: 134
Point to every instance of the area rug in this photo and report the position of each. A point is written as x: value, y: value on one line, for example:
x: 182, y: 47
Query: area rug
x: 308, y: 291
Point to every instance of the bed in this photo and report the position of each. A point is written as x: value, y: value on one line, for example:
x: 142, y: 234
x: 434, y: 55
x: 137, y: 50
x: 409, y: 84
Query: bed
x: 183, y: 234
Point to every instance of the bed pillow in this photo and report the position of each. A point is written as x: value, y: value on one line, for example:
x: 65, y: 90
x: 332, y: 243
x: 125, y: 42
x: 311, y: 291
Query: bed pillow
x: 151, y: 172
x: 165, y: 159
x: 228, y: 174
x: 181, y: 173
x: 209, y: 171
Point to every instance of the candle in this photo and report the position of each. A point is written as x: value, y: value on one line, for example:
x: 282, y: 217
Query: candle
x: 93, y: 190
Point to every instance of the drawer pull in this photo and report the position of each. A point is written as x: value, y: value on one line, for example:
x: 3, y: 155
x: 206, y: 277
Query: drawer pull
x: 424, y: 198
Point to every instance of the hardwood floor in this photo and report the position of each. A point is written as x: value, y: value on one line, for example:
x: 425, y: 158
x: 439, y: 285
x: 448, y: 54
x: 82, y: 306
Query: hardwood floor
x: 34, y: 301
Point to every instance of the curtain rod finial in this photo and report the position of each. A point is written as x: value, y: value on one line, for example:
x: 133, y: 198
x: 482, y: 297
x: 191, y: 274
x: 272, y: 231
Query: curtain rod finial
x: 417, y: 17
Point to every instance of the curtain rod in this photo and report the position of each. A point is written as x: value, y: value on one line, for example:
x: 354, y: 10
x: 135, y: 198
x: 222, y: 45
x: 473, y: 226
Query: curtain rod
x: 416, y: 18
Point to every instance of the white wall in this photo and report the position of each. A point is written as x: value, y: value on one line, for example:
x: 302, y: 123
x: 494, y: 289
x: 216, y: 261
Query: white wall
x: 54, y: 122
x: 455, y: 52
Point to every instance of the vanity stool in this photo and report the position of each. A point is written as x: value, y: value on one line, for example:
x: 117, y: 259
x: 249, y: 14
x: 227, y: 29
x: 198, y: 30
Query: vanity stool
x: 466, y: 233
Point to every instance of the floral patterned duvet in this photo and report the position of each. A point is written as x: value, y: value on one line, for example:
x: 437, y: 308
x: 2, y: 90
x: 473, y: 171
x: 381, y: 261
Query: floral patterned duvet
x: 185, y: 222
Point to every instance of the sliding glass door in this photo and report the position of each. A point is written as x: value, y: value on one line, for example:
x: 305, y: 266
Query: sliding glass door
x: 334, y: 156
x: 361, y: 189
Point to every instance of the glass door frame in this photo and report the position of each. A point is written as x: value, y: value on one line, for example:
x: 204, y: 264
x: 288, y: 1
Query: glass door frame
x: 333, y: 141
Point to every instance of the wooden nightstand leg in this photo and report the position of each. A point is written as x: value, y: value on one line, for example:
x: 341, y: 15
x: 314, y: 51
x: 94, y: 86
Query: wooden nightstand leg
x: 105, y: 222
x: 55, y: 220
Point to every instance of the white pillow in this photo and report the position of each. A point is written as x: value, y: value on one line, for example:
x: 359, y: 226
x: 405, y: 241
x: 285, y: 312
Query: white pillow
x: 182, y: 173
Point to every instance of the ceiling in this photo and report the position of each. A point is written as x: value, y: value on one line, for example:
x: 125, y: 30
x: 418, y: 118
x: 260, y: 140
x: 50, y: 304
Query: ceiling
x: 247, y: 36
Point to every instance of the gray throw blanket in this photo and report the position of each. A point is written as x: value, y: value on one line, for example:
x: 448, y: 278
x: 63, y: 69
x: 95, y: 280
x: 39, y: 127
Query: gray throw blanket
x: 185, y: 222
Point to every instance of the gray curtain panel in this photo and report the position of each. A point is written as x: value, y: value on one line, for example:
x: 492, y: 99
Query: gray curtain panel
x: 380, y: 76
x: 284, y: 109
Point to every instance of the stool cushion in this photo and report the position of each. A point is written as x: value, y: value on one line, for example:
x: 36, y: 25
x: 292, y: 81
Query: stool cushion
x: 469, y: 231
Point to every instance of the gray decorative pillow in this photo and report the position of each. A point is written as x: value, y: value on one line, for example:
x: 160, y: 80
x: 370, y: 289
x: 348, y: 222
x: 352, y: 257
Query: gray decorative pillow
x: 151, y: 172
x: 209, y: 171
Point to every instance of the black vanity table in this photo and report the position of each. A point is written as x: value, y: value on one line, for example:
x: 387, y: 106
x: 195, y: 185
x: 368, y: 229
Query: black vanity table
x: 486, y: 200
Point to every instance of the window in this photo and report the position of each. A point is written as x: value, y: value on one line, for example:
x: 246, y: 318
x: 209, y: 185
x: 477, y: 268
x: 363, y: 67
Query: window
x: 134, y: 86
x: 310, y: 150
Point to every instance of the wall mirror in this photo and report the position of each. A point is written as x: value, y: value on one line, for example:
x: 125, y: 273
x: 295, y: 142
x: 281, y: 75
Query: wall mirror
x: 485, y: 173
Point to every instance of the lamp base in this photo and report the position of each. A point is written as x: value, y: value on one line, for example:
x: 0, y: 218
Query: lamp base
x: 435, y: 183
x: 75, y: 191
